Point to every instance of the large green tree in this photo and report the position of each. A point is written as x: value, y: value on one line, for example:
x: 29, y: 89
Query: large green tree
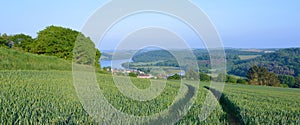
x: 204, y: 77
x: 174, y: 77
x: 57, y: 41
x: 261, y: 76
x: 60, y: 42
x: 231, y: 79
x: 288, y: 80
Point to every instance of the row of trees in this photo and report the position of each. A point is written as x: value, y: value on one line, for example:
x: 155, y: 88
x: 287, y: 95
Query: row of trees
x: 21, y: 41
x: 261, y: 76
x: 56, y: 41
x: 283, y: 62
x: 257, y: 75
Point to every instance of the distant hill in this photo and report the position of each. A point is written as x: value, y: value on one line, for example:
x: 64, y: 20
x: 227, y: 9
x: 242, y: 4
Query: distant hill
x: 239, y: 61
x: 152, y: 56
x: 15, y: 60
x: 117, y: 55
x: 283, y: 62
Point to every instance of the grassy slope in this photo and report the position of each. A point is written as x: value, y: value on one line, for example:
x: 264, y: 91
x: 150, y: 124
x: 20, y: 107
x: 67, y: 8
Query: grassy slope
x: 38, y: 89
x: 29, y: 97
x: 15, y: 60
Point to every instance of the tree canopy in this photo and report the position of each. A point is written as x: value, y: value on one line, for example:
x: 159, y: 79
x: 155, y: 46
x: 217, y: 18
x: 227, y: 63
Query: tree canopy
x: 261, y: 76
x: 56, y: 41
x: 23, y: 41
x: 283, y: 62
x: 174, y: 77
x: 60, y: 42
x: 204, y: 77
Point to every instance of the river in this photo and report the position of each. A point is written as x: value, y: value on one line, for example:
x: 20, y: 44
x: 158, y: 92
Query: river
x: 115, y: 64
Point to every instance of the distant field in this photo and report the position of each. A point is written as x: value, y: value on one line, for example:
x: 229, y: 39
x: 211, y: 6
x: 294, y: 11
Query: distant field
x: 238, y: 77
x: 246, y: 57
x: 155, y: 70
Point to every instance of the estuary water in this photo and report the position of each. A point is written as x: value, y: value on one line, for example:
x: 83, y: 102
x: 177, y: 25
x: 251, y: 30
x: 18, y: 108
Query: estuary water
x: 115, y: 64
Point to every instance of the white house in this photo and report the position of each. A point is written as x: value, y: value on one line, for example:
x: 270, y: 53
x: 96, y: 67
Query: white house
x: 145, y: 76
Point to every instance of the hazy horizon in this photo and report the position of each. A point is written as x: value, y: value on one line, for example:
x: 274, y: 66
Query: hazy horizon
x: 240, y: 24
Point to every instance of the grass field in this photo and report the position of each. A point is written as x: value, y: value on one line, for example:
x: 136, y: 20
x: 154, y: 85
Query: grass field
x: 264, y: 105
x: 15, y: 60
x: 39, y: 90
x: 246, y: 57
x: 41, y: 97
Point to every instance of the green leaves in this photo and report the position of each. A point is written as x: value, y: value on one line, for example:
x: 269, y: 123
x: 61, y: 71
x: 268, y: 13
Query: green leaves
x: 283, y: 62
x: 57, y: 41
x: 67, y: 44
x: 288, y: 80
x: 204, y: 77
x: 261, y: 76
x: 23, y: 41
x: 174, y: 77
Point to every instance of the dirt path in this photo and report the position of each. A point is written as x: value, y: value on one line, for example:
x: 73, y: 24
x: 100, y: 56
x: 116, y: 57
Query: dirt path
x: 232, y: 115
x: 175, y: 109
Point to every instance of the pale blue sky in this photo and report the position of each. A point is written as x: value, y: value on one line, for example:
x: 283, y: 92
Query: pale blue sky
x: 241, y: 24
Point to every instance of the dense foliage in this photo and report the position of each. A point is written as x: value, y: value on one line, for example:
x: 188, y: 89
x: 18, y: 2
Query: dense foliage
x: 23, y: 41
x: 4, y: 40
x: 174, y: 77
x: 261, y: 76
x: 229, y: 79
x: 56, y: 41
x: 152, y: 56
x: 204, y: 77
x: 131, y: 74
x: 165, y: 58
x: 283, y: 62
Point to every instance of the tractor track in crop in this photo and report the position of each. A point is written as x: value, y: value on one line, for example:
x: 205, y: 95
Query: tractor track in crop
x: 232, y: 114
